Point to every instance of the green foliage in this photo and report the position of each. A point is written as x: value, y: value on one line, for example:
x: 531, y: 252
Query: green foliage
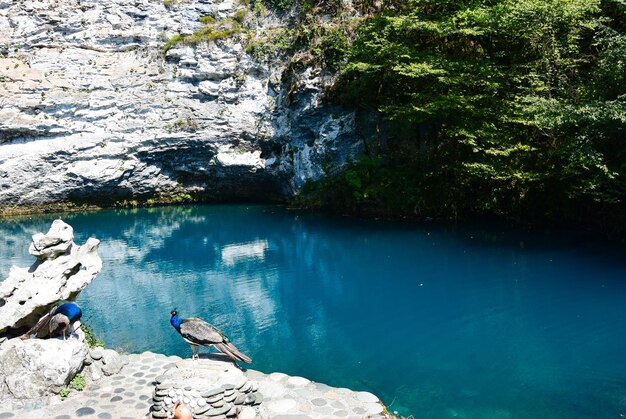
x: 240, y: 15
x: 181, y: 198
x: 507, y: 107
x: 90, y: 336
x: 273, y: 43
x: 186, y: 124
x: 171, y: 3
x: 211, y: 30
x: 77, y: 383
x: 207, y: 19
x: 281, y: 4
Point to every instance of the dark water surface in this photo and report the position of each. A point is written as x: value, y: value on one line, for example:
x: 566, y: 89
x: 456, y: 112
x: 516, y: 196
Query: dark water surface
x: 473, y: 322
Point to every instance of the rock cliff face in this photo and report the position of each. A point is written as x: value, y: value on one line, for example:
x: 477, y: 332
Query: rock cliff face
x: 92, y: 110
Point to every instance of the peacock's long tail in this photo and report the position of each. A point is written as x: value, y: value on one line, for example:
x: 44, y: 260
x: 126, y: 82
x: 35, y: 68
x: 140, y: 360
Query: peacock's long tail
x: 230, y: 350
x: 41, y: 329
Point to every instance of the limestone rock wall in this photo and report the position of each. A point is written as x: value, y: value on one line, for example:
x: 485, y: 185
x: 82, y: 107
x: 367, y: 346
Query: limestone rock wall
x: 92, y: 110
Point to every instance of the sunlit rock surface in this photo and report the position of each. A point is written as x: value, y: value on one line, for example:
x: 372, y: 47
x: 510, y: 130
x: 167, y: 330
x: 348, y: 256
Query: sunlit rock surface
x: 33, y: 369
x: 92, y: 110
x: 61, y: 270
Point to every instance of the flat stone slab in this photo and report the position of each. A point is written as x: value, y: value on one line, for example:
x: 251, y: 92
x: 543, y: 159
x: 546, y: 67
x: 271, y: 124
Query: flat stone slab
x: 129, y: 394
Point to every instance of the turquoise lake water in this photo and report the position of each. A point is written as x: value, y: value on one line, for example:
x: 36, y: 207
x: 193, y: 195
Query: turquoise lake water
x: 440, y: 322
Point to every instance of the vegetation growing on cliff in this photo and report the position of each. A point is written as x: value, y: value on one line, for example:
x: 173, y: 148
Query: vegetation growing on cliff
x: 211, y: 30
x: 509, y: 107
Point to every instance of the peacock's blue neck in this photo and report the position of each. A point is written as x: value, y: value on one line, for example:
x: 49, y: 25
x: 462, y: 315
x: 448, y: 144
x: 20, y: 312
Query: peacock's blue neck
x: 176, y: 321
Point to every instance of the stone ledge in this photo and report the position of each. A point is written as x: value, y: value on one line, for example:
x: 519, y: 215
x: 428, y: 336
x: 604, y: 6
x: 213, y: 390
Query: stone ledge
x: 129, y: 394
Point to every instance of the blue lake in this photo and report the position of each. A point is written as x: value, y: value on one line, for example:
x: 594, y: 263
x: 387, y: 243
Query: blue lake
x: 440, y: 322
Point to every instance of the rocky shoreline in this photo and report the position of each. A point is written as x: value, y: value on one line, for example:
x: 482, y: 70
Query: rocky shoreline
x: 144, y: 380
x: 65, y: 378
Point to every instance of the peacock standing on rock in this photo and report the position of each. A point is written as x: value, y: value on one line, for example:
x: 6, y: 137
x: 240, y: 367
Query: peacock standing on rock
x: 196, y: 332
x: 56, y: 322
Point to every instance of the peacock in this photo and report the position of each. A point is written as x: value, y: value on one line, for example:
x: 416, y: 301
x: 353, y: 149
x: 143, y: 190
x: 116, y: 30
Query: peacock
x: 56, y: 322
x: 196, y: 332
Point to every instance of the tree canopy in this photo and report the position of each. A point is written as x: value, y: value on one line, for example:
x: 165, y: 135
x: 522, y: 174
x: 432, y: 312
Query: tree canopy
x: 509, y: 107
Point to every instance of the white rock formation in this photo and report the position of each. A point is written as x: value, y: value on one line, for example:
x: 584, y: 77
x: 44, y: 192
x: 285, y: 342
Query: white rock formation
x: 35, y: 368
x: 91, y: 110
x: 61, y: 271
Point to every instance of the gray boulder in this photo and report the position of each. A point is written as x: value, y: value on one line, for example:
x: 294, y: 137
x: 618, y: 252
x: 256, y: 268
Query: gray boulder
x: 102, y: 362
x: 36, y: 368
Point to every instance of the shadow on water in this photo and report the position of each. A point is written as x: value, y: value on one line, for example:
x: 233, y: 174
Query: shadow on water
x: 466, y: 322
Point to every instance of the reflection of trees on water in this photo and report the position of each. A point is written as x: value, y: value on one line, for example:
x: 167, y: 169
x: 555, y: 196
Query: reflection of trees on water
x: 418, y: 313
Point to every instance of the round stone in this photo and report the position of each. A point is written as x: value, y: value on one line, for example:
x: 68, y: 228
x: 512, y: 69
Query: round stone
x: 96, y: 353
x: 116, y: 399
x: 338, y: 405
x: 10, y: 415
x: 341, y: 413
x: 105, y: 415
x: 219, y: 410
x: 193, y: 403
x: 277, y: 376
x: 298, y: 381
x: 213, y: 392
x: 85, y: 411
x: 118, y: 390
x: 201, y: 402
x: 215, y: 398
x: 250, y: 399
x: 167, y: 400
x: 242, y: 382
x: 218, y: 403
x: 232, y: 411
x: 359, y: 410
x: 201, y: 409
x: 160, y: 379
x: 366, y: 397
x: 230, y: 398
x: 171, y: 393
x: 272, y: 390
x: 318, y: 402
